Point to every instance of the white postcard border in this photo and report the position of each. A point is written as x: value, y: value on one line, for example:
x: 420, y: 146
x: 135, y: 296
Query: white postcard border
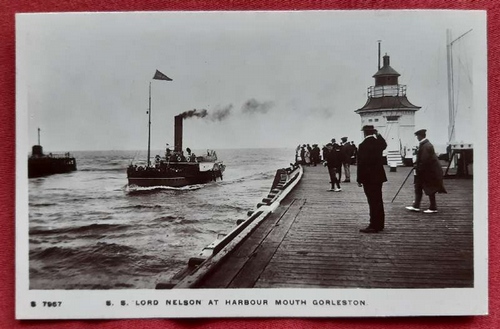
x: 92, y: 304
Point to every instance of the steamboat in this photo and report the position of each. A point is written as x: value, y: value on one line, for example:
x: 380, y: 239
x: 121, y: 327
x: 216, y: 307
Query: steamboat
x: 177, y: 169
x: 40, y: 164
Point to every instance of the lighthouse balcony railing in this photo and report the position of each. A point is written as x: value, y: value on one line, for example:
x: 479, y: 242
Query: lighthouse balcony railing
x: 382, y: 91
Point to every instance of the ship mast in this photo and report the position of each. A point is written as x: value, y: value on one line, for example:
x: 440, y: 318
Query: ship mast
x: 149, y: 125
x: 158, y: 76
x: 451, y: 100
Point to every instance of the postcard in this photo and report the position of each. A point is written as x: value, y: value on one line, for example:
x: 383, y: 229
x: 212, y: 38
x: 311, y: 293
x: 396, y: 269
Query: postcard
x: 251, y: 164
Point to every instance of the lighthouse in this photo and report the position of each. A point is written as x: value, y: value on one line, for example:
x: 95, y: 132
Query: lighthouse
x: 391, y: 113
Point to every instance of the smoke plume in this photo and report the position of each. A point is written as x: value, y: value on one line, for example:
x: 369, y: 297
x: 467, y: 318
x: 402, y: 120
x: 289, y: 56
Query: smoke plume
x: 218, y: 114
x: 194, y: 114
x: 221, y: 113
x: 253, y: 106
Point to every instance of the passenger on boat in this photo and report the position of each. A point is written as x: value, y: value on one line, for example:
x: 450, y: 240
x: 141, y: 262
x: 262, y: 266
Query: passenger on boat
x: 191, y: 157
x: 157, y: 161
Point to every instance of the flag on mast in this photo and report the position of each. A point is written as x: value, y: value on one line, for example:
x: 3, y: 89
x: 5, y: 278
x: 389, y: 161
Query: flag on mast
x: 161, y: 76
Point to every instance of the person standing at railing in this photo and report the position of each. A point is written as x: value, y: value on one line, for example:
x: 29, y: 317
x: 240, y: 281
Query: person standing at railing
x: 302, y: 154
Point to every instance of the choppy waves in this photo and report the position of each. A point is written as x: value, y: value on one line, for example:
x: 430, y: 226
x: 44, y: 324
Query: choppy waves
x: 90, y: 230
x: 133, y: 189
x: 101, y: 254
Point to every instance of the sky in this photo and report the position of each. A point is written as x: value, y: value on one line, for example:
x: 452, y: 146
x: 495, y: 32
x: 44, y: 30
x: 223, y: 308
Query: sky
x: 265, y: 79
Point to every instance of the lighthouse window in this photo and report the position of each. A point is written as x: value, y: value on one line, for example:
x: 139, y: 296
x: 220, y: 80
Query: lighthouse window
x: 392, y: 118
x: 376, y: 120
x: 370, y: 120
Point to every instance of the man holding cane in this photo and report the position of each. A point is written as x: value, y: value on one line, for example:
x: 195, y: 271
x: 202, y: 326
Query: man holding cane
x: 428, y: 174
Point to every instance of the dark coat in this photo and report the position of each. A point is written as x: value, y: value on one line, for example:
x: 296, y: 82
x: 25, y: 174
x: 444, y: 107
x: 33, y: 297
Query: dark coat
x: 315, y: 154
x: 346, y: 151
x: 332, y: 158
x: 338, y: 155
x: 428, y: 170
x: 371, y: 161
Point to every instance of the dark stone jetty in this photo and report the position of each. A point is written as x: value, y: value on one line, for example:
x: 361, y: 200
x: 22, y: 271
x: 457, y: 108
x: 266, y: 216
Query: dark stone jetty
x: 312, y: 240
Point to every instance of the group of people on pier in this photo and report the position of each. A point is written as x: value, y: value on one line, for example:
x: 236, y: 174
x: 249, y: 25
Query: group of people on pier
x: 307, y: 155
x: 334, y: 156
x: 428, y: 174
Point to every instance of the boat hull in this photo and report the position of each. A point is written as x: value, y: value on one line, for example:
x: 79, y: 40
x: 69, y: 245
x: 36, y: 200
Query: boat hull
x: 172, y: 176
x: 45, y: 166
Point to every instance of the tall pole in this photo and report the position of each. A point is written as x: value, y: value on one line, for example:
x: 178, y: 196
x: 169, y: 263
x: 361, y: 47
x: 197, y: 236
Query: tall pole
x: 149, y: 124
x: 451, y: 100
x: 39, y: 136
x: 451, y: 105
x: 379, y: 41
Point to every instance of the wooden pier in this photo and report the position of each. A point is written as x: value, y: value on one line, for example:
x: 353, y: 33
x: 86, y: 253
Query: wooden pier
x: 313, y: 241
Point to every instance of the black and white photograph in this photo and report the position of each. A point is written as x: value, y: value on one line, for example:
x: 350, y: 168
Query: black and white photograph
x: 251, y: 164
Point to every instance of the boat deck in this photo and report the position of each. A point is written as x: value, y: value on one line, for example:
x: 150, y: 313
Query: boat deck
x: 313, y: 240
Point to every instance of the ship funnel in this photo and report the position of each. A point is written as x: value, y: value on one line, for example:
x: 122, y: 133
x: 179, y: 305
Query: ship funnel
x: 178, y: 133
x: 37, y: 150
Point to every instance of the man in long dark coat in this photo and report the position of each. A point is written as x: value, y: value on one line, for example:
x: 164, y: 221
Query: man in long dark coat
x: 354, y: 153
x: 315, y: 155
x: 371, y: 176
x: 345, y: 154
x: 338, y: 168
x: 332, y: 161
x: 428, y: 174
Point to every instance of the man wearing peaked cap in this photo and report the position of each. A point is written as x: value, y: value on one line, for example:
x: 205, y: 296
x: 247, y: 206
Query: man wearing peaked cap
x: 421, y: 132
x: 371, y: 176
x: 428, y: 174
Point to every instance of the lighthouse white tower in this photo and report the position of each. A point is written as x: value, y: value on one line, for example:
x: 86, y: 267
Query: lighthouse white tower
x: 392, y: 114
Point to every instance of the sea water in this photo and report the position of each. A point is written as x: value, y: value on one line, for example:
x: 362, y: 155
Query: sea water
x: 89, y: 230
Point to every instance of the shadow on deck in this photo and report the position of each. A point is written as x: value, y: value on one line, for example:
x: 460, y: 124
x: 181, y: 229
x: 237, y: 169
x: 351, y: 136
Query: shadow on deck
x: 313, y: 240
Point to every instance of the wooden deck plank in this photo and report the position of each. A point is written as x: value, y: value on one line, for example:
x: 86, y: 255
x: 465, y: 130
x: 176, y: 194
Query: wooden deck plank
x: 249, y: 274
x: 227, y: 271
x: 319, y: 244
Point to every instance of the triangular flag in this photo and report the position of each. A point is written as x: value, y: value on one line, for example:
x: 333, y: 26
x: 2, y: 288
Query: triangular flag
x: 161, y: 76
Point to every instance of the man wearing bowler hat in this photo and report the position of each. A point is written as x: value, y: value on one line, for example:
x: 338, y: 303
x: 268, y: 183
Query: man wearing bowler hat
x: 371, y: 176
x: 428, y: 174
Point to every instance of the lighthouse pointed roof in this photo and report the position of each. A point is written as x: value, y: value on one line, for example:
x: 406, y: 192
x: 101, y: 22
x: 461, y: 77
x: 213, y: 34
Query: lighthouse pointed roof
x: 386, y: 70
x: 388, y: 102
